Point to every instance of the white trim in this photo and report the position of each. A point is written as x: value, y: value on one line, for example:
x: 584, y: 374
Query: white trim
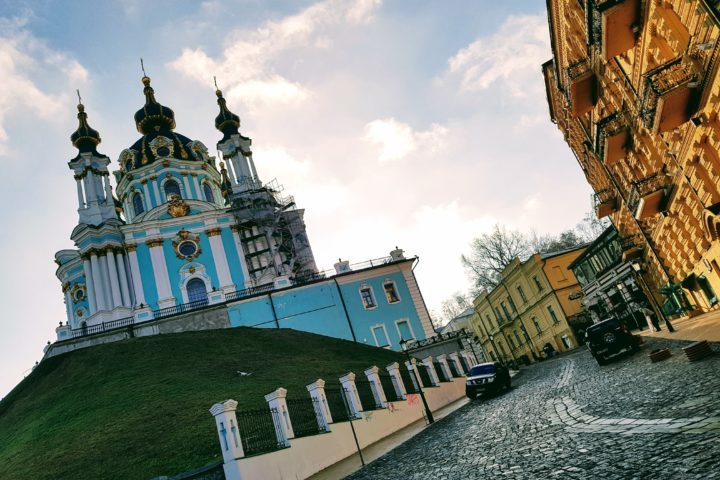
x: 372, y: 295
x: 387, y: 337
x: 181, y: 187
x: 200, y: 274
x: 397, y: 327
x: 388, y: 281
x: 132, y: 203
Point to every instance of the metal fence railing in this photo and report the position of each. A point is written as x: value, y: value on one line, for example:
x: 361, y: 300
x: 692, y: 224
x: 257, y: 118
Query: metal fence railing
x: 424, y: 375
x: 453, y: 369
x: 337, y: 403
x: 306, y: 416
x: 440, y: 372
x: 368, y: 396
x: 407, y: 380
x: 465, y: 365
x: 259, y: 432
x: 388, y: 385
x: 182, y: 308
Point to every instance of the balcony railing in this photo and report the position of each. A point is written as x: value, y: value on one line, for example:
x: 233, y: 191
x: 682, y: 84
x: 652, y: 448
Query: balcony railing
x: 612, y: 138
x: 605, y: 203
x: 668, y: 95
x: 648, y: 196
x: 581, y: 92
x: 612, y: 25
x: 102, y: 327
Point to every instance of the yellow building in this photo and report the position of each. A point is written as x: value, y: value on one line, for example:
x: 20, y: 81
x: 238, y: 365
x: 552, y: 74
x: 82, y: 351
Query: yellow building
x: 634, y: 85
x: 529, y: 308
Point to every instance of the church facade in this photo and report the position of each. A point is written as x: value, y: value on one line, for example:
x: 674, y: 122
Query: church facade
x: 180, y: 235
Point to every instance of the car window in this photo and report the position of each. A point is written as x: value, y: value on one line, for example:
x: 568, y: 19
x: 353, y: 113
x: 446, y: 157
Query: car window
x: 482, y: 370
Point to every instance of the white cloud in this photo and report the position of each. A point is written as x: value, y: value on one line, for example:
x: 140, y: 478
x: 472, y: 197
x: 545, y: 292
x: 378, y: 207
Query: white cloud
x: 397, y: 139
x: 26, y: 62
x: 247, y: 67
x: 512, y: 55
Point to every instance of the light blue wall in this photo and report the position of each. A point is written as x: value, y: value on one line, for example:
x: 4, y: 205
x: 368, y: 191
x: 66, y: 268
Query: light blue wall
x: 233, y: 259
x: 252, y: 313
x: 146, y: 275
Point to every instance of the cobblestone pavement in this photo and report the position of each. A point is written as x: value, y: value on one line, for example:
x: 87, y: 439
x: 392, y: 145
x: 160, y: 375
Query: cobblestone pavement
x: 570, y: 418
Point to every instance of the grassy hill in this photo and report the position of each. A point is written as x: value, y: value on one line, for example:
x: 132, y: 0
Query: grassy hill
x: 138, y: 408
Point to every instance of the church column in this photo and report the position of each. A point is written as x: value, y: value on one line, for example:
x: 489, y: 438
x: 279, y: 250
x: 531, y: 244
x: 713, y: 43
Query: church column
x: 135, y: 275
x: 149, y: 205
x: 97, y: 282
x: 89, y: 285
x: 124, y: 286
x: 162, y: 279
x: 220, y: 258
x: 156, y: 190
x: 81, y: 200
x: 68, y: 303
x: 186, y: 183
x: 114, y: 278
x: 105, y: 276
x: 90, y: 195
x: 241, y: 254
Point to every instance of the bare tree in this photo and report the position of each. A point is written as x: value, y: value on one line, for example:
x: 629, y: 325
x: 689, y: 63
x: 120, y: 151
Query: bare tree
x: 454, y: 306
x: 490, y: 253
x: 591, y: 227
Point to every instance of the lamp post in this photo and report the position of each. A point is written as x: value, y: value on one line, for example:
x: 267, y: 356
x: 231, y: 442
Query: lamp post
x: 428, y: 412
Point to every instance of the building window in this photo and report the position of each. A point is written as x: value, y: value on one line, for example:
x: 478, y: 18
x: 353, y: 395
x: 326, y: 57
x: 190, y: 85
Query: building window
x: 490, y: 326
x: 137, y: 202
x: 380, y: 335
x: 171, y: 188
x: 512, y: 303
x: 512, y: 344
x: 207, y: 191
x: 552, y: 314
x: 521, y: 292
x: 196, y: 290
x: 537, y: 325
x: 391, y: 292
x: 538, y: 284
x: 505, y: 310
x: 368, y: 299
x: 517, y: 337
x: 405, y: 330
x: 499, y: 316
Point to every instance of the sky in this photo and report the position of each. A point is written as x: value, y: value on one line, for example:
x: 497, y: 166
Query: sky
x: 416, y: 124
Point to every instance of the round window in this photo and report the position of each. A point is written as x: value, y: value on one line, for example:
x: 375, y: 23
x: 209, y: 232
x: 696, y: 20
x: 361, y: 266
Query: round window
x: 187, y: 248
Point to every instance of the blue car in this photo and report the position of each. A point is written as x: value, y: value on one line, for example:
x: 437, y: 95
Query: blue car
x: 486, y: 379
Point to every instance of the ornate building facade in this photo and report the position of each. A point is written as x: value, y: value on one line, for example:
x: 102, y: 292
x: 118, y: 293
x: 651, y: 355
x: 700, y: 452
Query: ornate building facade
x: 181, y: 235
x: 633, y: 85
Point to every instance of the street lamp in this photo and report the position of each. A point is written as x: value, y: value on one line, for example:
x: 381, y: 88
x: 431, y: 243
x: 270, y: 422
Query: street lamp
x: 428, y: 412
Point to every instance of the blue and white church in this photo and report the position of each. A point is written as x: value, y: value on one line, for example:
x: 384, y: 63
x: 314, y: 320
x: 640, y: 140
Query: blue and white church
x: 185, y: 243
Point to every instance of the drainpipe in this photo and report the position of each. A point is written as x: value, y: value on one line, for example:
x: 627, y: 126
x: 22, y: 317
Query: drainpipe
x: 347, y: 316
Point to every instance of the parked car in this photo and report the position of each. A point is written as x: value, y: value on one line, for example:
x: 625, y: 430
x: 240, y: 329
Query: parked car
x: 610, y: 338
x: 487, y: 378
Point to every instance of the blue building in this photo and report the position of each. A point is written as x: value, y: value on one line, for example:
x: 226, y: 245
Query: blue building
x: 182, y: 234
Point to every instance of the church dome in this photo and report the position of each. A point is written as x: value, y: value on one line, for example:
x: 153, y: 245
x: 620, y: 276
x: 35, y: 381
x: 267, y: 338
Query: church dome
x: 156, y: 122
x: 85, y: 138
x: 226, y: 121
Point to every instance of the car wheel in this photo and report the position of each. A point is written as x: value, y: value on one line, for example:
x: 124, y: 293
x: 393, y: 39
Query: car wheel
x: 601, y: 360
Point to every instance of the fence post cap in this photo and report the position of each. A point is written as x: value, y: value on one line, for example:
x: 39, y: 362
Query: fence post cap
x: 392, y: 365
x: 319, y: 383
x: 429, y: 358
x: 371, y: 370
x: 440, y: 358
x: 348, y: 377
x: 279, y: 393
x: 222, y: 407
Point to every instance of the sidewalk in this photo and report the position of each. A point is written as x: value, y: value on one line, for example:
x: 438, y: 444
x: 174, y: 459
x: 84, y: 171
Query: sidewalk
x: 702, y: 327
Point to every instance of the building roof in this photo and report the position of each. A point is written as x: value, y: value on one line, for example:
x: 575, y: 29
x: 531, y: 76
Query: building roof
x: 591, y: 247
x: 555, y: 253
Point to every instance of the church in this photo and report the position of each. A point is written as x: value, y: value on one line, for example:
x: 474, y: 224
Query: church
x: 187, y: 243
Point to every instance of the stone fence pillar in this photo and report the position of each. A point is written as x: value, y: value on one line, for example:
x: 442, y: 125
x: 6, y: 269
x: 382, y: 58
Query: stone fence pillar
x: 414, y: 375
x: 394, y: 371
x: 230, y: 444
x: 317, y: 393
x: 377, y: 388
x: 283, y: 426
x: 428, y: 361
x: 351, y: 394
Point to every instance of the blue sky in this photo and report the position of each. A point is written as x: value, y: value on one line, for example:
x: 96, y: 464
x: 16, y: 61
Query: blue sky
x: 410, y: 123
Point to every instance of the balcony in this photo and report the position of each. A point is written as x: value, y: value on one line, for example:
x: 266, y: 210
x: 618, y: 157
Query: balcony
x: 613, y: 25
x: 612, y: 138
x: 605, y: 202
x: 670, y: 95
x: 582, y: 87
x: 649, y: 196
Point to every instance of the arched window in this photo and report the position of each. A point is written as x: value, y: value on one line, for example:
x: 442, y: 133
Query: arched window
x: 207, y: 191
x: 196, y: 290
x: 171, y: 188
x: 138, y: 206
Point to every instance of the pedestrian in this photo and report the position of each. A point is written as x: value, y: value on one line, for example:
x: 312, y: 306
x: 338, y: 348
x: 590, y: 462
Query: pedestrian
x: 651, y: 319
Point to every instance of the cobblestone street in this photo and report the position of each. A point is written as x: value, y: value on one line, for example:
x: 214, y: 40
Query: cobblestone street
x: 570, y: 418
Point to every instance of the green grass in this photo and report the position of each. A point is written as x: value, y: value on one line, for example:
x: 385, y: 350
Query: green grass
x: 138, y: 408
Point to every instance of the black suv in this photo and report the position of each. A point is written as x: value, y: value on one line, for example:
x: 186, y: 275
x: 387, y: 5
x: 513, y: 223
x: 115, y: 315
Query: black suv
x: 609, y: 338
x: 487, y: 378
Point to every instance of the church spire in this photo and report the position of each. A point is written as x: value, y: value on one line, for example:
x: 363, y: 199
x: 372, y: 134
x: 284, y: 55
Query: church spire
x: 153, y: 115
x: 85, y: 138
x: 226, y: 121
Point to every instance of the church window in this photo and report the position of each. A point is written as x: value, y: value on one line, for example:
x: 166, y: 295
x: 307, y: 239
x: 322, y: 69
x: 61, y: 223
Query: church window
x: 171, y: 188
x: 405, y: 330
x: 128, y: 165
x: 196, y: 290
x: 188, y: 248
x: 207, y: 191
x: 380, y: 335
x: 137, y: 202
x: 391, y: 292
x: 368, y: 299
